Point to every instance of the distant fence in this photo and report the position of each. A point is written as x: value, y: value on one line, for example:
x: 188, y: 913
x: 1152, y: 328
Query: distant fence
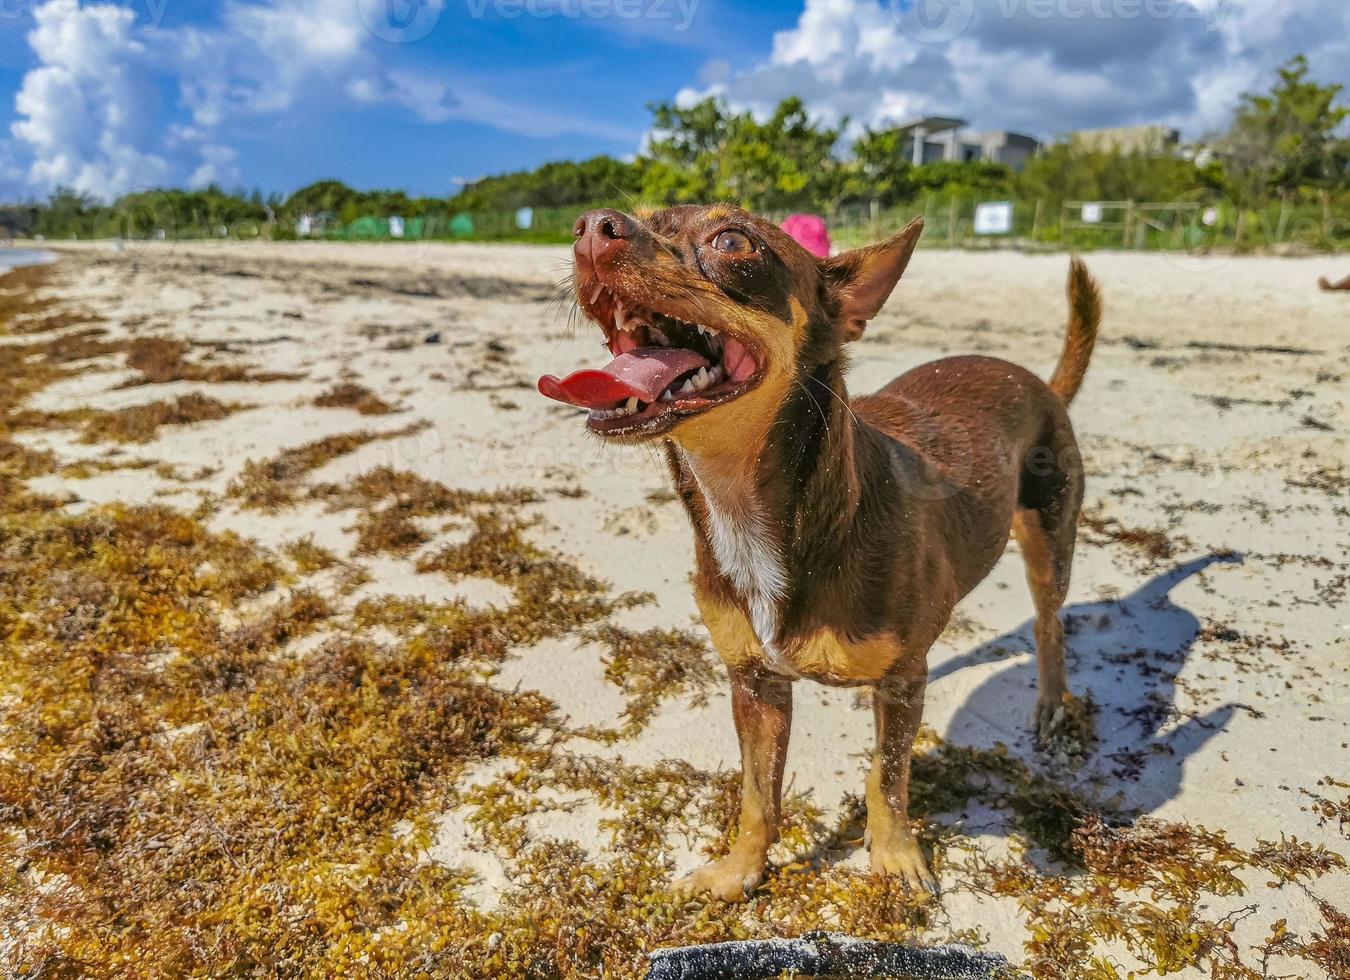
x: 520, y: 224
x: 1187, y: 225
x: 1193, y: 225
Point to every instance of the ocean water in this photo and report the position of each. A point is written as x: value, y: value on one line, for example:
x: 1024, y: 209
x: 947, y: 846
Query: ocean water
x: 12, y: 258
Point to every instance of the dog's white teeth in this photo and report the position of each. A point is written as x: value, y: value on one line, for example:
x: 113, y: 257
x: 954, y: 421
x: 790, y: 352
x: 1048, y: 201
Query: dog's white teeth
x: 688, y: 387
x: 715, y: 374
x: 596, y: 295
x: 710, y: 331
x: 620, y: 318
x: 628, y: 408
x: 699, y: 381
x: 668, y: 395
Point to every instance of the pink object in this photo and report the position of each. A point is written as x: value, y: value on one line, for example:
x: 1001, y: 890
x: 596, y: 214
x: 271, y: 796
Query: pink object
x: 810, y: 232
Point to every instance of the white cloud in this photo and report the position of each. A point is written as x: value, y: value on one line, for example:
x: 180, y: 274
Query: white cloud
x: 217, y: 167
x: 86, y: 112
x: 1040, y: 66
x: 90, y: 112
x: 267, y: 57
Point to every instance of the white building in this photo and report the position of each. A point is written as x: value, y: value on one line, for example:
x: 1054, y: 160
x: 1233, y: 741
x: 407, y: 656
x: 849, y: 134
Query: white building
x: 938, y: 138
x: 1152, y: 140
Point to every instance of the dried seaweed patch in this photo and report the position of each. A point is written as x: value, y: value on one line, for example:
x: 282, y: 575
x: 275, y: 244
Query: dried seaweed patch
x: 160, y: 360
x: 351, y: 395
x: 141, y: 423
x: 271, y: 483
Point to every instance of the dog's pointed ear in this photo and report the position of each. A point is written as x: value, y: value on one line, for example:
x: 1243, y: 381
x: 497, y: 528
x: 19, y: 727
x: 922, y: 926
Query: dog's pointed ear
x: 861, y: 281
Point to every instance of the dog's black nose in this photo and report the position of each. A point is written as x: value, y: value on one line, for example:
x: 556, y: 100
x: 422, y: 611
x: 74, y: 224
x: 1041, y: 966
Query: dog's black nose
x: 607, y: 223
x: 601, y: 234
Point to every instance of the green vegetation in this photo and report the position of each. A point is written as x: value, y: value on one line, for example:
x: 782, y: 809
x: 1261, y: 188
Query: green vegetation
x: 1279, y: 174
x: 1287, y: 143
x: 554, y: 185
x: 213, y: 213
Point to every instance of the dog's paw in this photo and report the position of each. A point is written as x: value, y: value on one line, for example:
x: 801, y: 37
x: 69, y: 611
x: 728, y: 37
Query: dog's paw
x: 1066, y: 725
x: 731, y: 879
x: 1048, y: 717
x: 899, y: 855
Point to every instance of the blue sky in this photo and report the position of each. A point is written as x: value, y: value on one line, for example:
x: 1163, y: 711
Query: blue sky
x: 115, y: 95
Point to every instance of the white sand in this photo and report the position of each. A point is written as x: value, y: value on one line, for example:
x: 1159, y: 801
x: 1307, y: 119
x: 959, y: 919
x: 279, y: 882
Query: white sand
x: 1236, y: 747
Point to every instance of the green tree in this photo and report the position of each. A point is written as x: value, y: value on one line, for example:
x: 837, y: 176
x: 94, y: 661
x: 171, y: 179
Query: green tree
x: 1287, y: 140
x: 322, y: 196
x: 965, y: 179
x: 706, y: 152
x: 65, y: 213
x: 599, y: 180
x: 683, y: 151
x: 784, y: 162
x: 880, y: 169
x: 1066, y: 171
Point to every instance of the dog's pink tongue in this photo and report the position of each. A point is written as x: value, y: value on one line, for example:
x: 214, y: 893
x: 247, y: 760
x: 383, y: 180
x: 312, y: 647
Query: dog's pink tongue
x: 642, y: 374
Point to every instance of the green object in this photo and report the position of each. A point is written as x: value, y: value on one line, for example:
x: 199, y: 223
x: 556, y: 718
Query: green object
x: 461, y: 225
x: 367, y: 228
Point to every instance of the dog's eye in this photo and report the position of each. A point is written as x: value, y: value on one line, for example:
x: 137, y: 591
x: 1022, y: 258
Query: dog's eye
x: 733, y: 243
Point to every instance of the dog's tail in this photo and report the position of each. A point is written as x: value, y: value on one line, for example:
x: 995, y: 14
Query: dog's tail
x: 1085, y: 315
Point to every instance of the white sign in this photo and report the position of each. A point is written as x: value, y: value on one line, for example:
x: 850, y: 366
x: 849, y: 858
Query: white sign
x: 395, y: 227
x: 1210, y: 217
x: 1092, y: 214
x: 994, y: 218
x: 525, y: 219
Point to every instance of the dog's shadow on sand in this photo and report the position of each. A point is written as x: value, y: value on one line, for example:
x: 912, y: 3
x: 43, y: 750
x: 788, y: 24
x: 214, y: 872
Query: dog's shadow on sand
x: 1127, y: 653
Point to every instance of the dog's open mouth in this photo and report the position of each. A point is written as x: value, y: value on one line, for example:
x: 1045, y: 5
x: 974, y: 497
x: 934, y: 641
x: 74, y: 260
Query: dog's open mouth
x: 664, y: 369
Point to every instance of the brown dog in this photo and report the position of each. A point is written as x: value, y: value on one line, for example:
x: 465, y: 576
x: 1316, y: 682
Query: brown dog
x: 834, y: 537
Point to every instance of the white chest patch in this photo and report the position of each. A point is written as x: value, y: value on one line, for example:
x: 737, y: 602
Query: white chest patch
x: 747, y: 555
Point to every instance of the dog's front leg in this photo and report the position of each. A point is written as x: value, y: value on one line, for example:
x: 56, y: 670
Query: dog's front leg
x: 761, y: 704
x: 897, y: 705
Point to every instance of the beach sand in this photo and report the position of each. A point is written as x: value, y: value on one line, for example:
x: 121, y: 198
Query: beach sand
x: 1208, y: 617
